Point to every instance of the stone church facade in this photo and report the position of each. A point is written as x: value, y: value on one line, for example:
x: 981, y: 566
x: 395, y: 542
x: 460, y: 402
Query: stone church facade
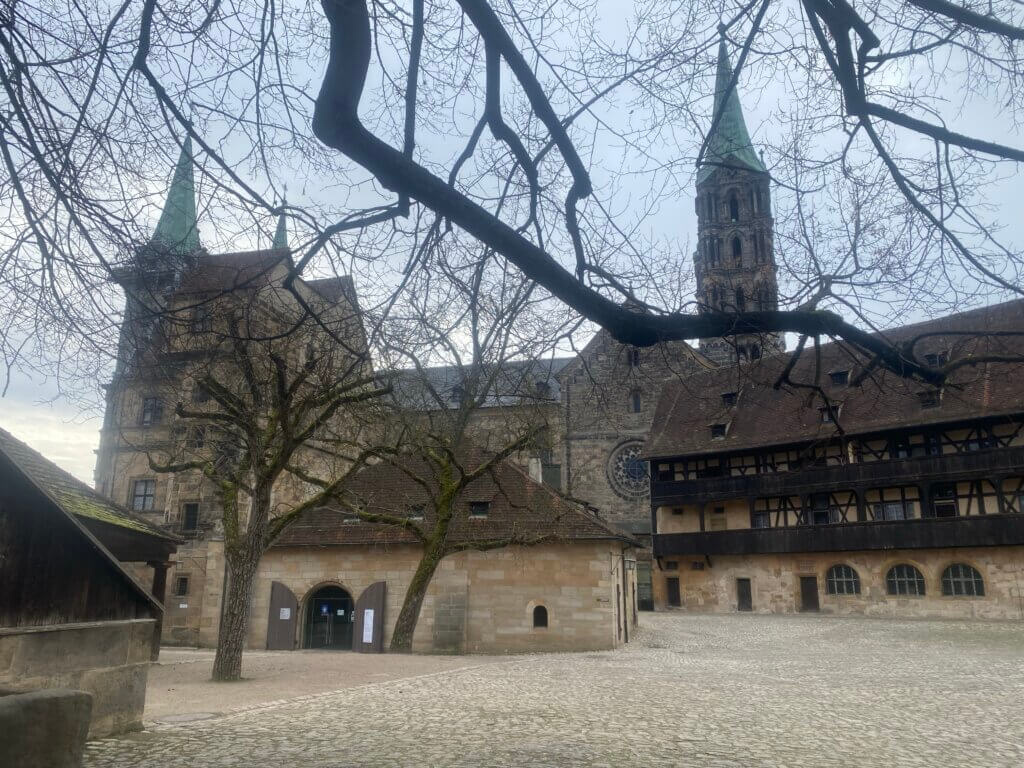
x: 599, y: 405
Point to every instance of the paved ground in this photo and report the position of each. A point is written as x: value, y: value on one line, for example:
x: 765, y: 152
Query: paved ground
x: 180, y: 687
x: 694, y: 690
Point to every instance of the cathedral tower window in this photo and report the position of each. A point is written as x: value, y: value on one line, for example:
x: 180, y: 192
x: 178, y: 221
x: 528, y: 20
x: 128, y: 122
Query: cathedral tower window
x: 737, y: 250
x: 636, y: 402
x: 734, y: 207
x: 741, y: 300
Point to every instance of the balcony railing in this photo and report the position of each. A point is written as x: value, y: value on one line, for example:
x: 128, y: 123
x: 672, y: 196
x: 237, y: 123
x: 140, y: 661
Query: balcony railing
x: 868, y: 474
x: 974, y: 531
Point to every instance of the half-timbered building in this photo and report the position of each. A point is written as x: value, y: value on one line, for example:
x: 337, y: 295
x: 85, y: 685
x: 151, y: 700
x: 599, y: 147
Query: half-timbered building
x: 841, y: 487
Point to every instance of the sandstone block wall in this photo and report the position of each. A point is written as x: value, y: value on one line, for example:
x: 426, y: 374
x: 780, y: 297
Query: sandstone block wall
x: 109, y: 660
x: 478, y: 602
x: 775, y: 583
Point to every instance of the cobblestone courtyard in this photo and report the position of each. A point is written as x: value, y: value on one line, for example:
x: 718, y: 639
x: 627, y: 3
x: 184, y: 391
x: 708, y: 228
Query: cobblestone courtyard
x: 691, y: 690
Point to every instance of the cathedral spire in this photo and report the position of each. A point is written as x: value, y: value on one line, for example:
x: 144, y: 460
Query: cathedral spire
x: 281, y: 233
x: 178, y: 228
x: 729, y: 143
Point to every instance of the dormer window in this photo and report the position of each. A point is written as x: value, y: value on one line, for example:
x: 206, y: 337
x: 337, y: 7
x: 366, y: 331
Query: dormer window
x: 930, y: 398
x: 840, y: 378
x: 718, y: 431
x: 457, y: 394
x: 416, y: 511
x: 543, y: 390
x: 937, y: 359
x: 479, y: 509
x: 728, y: 399
x: 830, y: 414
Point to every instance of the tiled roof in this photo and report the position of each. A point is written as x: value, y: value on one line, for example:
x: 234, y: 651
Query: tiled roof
x: 227, y: 271
x: 764, y: 415
x: 72, y: 494
x: 518, y: 507
x: 515, y: 383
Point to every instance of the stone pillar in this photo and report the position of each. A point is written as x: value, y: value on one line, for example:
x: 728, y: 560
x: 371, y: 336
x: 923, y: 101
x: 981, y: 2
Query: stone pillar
x: 159, y: 592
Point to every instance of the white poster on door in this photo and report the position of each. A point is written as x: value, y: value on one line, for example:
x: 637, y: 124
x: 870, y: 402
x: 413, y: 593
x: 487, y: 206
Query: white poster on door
x: 368, y: 625
x: 285, y: 614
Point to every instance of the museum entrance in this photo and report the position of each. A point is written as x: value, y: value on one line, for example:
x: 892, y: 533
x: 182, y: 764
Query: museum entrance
x: 329, y: 618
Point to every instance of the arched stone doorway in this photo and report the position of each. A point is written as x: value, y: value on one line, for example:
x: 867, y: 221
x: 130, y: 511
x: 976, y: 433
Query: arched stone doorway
x: 329, y: 618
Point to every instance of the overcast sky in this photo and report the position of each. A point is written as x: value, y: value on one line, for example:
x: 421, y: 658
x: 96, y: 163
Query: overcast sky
x: 66, y: 429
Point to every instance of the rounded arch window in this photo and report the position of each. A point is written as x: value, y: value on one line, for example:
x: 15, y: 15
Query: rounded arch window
x: 540, y: 616
x: 842, y: 580
x: 962, y: 580
x: 904, y: 579
x: 627, y: 472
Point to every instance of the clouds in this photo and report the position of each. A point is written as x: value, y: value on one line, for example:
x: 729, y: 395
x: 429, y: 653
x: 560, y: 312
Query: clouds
x: 57, y: 431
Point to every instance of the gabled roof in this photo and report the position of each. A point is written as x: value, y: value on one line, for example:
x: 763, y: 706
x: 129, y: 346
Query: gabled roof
x: 219, y: 272
x: 765, y: 416
x: 518, y: 507
x: 515, y: 382
x: 71, y: 493
x: 729, y: 143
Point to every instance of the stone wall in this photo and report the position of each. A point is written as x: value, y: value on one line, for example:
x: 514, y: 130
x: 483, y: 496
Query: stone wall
x: 109, y: 660
x: 478, y: 602
x: 775, y: 583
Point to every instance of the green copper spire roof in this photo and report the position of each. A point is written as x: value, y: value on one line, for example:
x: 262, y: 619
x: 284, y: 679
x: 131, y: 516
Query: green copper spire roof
x: 281, y: 234
x: 178, y: 229
x: 730, y: 142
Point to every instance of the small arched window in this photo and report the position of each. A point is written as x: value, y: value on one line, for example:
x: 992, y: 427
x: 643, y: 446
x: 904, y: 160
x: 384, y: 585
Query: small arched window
x: 842, y: 580
x: 737, y: 249
x: 734, y: 207
x: 636, y: 402
x: 961, y: 580
x: 904, y: 579
x: 540, y: 616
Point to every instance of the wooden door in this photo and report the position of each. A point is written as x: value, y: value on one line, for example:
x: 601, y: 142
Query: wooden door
x: 808, y: 593
x: 369, y: 627
x: 744, y: 600
x: 281, y: 622
x: 673, y: 591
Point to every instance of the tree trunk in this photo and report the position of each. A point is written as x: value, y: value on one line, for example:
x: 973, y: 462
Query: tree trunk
x: 401, y: 639
x: 227, y: 665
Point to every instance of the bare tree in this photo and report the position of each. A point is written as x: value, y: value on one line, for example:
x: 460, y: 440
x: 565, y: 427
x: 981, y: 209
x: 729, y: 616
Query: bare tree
x: 268, y: 415
x: 521, y: 123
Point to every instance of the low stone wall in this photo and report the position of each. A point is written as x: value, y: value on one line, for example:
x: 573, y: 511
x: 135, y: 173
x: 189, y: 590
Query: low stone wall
x: 108, y: 659
x: 43, y: 729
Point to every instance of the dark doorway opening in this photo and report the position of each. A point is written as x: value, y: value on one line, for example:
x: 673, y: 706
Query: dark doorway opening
x: 673, y: 591
x: 744, y: 601
x: 808, y: 593
x: 329, y: 618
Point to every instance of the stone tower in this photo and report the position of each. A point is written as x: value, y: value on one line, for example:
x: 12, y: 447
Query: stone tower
x: 734, y: 262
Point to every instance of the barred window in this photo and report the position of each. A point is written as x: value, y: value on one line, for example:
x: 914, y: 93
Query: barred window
x: 842, y: 580
x: 904, y: 579
x: 960, y: 580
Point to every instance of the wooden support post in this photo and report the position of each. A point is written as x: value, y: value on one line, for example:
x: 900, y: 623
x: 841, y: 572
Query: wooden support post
x: 159, y: 591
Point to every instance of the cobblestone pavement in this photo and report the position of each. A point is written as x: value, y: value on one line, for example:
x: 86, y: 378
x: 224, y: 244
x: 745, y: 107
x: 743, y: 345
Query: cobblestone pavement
x: 690, y: 691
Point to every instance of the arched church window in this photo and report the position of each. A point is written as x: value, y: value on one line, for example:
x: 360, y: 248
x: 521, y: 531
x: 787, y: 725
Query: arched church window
x: 757, y: 247
x: 741, y: 300
x: 734, y: 207
x: 737, y: 249
x: 750, y: 200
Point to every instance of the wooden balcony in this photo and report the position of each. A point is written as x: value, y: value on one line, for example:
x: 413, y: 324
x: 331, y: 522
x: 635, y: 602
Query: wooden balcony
x: 974, y: 531
x: 868, y: 474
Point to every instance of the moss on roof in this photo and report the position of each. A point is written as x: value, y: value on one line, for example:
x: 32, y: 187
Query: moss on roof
x: 71, y: 493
